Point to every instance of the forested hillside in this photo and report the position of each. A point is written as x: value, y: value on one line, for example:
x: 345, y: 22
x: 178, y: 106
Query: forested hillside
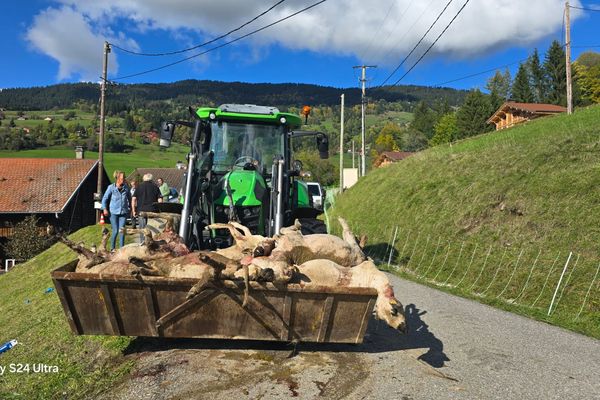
x: 195, y: 92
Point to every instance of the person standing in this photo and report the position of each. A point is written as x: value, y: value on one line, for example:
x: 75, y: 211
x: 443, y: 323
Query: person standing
x: 165, y: 191
x: 133, y: 185
x: 146, y: 194
x: 116, y: 202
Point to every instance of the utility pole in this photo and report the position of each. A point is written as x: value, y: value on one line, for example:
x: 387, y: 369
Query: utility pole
x: 363, y: 102
x: 352, y: 154
x: 342, y: 146
x: 102, y: 116
x: 568, y: 56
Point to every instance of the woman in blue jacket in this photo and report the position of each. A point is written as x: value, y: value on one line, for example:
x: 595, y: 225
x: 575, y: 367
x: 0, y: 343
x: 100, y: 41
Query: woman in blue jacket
x: 117, y: 202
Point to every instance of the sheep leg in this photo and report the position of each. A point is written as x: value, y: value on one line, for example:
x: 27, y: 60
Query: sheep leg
x: 242, y: 228
x: 349, y: 238
x: 91, y: 257
x: 237, y: 236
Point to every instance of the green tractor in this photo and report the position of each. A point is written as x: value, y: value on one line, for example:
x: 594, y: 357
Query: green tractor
x: 240, y: 168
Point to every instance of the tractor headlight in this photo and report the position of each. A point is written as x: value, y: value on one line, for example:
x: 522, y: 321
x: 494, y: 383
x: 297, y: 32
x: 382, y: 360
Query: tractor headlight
x: 247, y: 212
x: 282, y: 120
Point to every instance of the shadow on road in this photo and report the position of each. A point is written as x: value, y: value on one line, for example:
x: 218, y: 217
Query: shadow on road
x: 379, y: 338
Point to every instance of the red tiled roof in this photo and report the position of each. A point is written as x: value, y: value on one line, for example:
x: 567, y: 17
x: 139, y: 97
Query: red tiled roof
x: 536, y: 107
x: 40, y: 185
x: 173, y: 176
x: 396, y: 155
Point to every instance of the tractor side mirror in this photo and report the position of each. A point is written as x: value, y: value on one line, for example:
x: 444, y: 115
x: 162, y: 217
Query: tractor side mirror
x: 323, y: 146
x: 297, y: 167
x: 166, y: 134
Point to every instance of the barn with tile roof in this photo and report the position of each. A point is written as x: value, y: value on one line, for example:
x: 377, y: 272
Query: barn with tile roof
x: 60, y: 192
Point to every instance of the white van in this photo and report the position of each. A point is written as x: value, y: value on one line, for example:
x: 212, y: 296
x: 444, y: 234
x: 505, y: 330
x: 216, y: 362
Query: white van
x: 317, y: 193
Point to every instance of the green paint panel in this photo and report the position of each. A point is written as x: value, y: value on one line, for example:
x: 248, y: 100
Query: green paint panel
x: 303, y: 196
x: 246, y: 188
x: 293, y: 121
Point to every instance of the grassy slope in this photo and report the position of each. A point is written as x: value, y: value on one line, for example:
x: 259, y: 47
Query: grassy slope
x: 141, y: 156
x: 87, y: 364
x: 531, y: 188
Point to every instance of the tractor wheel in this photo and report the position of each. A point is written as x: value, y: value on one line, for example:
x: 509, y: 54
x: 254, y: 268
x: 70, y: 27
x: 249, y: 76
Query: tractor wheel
x: 312, y: 225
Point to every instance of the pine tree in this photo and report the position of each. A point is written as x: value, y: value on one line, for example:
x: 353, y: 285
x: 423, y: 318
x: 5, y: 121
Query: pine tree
x: 423, y: 119
x: 537, y: 78
x: 471, y: 118
x: 555, y: 71
x: 521, y: 91
x: 499, y: 88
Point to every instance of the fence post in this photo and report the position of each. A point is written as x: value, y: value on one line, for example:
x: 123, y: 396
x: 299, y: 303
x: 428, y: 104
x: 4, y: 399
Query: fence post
x: 424, y: 253
x: 462, y: 246
x: 546, y: 281
x: 529, y: 276
x: 413, y: 250
x: 469, y: 267
x: 433, y: 259
x: 482, y: 268
x: 511, y: 275
x: 496, y: 274
x: 444, y: 263
x: 392, y: 246
x: 562, y: 291
x: 559, y: 281
x: 588, y: 293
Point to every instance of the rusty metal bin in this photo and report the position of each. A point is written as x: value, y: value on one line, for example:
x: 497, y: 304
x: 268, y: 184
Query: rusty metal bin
x: 97, y: 304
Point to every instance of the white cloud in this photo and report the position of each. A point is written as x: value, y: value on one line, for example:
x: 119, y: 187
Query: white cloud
x: 345, y: 27
x: 67, y: 36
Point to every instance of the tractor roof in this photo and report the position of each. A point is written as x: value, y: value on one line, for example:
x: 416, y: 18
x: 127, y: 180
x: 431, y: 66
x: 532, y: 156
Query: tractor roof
x: 250, y: 113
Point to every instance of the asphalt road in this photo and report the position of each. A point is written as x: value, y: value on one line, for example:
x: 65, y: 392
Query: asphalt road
x: 456, y: 349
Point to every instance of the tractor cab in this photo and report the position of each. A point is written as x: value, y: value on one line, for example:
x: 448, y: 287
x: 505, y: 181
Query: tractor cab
x: 240, y: 168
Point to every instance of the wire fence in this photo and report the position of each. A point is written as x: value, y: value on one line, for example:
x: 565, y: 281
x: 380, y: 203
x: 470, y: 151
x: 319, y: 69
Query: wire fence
x: 556, y: 283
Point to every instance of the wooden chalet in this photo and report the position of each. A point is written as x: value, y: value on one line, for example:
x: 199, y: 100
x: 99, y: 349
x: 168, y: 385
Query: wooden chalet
x: 388, y: 157
x: 512, y: 113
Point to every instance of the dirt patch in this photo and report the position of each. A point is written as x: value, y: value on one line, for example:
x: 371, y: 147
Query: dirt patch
x: 241, y: 374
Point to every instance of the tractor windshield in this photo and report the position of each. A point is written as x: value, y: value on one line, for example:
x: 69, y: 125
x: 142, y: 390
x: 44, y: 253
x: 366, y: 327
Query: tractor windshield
x: 234, y: 142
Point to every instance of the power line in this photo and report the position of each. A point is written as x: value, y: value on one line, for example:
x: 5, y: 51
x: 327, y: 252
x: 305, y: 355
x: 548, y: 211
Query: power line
x: 202, y: 44
x: 378, y: 30
x: 585, y: 8
x: 409, y: 29
x: 417, y: 45
x: 482, y: 72
x: 221, y: 45
x: 396, y: 25
x: 433, y: 44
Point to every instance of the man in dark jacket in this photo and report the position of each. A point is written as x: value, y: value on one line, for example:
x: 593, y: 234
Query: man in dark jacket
x: 146, y: 194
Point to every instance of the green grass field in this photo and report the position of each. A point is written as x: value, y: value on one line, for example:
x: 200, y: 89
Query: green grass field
x: 87, y: 364
x: 141, y: 156
x: 494, y: 218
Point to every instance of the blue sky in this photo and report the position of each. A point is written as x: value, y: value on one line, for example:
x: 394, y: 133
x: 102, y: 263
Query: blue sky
x: 53, y: 41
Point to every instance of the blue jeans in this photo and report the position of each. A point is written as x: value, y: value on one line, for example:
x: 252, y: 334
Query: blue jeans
x: 142, y: 222
x: 117, y: 221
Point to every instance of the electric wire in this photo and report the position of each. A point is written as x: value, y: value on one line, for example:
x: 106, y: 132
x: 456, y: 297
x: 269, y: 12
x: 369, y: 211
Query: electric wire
x: 219, y: 46
x: 585, y: 8
x: 481, y: 73
x: 433, y: 44
x: 199, y: 45
x: 378, y: 30
x: 396, y: 25
x: 417, y: 45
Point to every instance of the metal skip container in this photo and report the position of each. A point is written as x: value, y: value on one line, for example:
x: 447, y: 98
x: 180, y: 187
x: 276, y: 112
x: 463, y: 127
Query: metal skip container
x: 98, y: 304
